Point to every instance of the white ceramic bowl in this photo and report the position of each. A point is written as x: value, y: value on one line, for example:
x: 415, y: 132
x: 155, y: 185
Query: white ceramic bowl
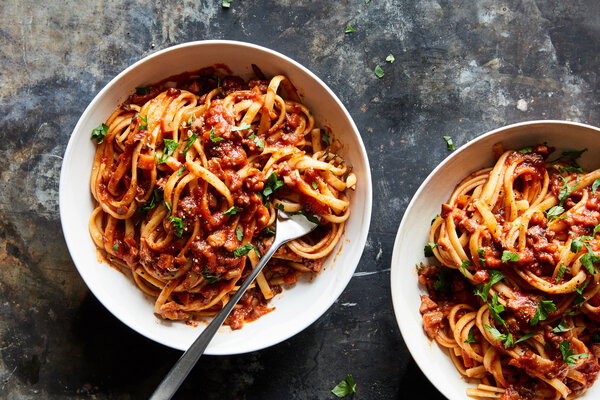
x: 414, y: 232
x: 296, y: 308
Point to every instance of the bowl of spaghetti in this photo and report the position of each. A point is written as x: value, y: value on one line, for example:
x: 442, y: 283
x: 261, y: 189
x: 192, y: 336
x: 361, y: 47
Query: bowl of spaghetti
x: 172, y: 180
x: 496, y: 266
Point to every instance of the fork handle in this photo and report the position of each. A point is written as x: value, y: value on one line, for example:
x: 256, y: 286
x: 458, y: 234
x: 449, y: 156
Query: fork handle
x: 186, y: 362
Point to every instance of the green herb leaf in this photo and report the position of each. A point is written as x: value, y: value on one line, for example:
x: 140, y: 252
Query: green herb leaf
x: 525, y: 337
x: 562, y: 327
x: 573, y: 155
x: 170, y: 147
x: 450, y: 143
x: 508, y: 256
x: 181, y: 170
x: 243, y: 250
x: 239, y: 234
x: 579, y: 299
x: 465, y: 264
x: 178, y: 225
x: 325, y: 137
x: 571, y: 168
x: 506, y: 339
x: 116, y: 247
x: 100, y: 132
x: 390, y: 58
x: 315, y: 185
x: 212, y: 136
x: 241, y: 127
x: 554, y: 213
x: 596, y: 229
x: 345, y: 387
x: 442, y: 284
x: 153, y: 201
x: 269, y: 231
x: 471, y: 338
x: 379, y: 72
x: 144, y: 123
x: 567, y: 353
x: 576, y: 245
x: 259, y: 143
x: 481, y: 253
x: 225, y: 3
x: 544, y: 308
x: 231, y: 211
x: 566, y: 191
x: 595, y: 185
x: 526, y: 150
x: 190, y: 141
x: 168, y: 208
x: 272, y: 184
x: 559, y: 274
x: 483, y: 290
x: 428, y: 250
x: 349, y: 29
x: 209, y: 277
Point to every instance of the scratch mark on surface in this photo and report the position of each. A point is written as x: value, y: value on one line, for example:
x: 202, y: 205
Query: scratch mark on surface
x: 348, y: 304
x: 367, y: 273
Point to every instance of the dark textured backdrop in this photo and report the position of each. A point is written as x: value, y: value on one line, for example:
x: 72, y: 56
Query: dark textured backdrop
x: 462, y: 68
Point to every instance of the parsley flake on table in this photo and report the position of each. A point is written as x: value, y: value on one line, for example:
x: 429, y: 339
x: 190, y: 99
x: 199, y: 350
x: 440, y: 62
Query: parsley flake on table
x: 345, y: 387
x: 349, y: 29
x: 390, y: 58
x: 100, y: 132
x: 378, y: 72
x: 545, y: 308
x: 449, y: 142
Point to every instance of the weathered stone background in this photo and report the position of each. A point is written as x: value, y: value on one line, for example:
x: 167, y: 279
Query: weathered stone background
x: 462, y: 67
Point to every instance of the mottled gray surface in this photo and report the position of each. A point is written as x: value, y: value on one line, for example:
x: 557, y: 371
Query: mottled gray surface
x: 462, y: 68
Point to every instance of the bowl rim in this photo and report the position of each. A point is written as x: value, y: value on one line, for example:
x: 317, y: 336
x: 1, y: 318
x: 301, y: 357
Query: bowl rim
x: 398, y: 303
x: 360, y: 240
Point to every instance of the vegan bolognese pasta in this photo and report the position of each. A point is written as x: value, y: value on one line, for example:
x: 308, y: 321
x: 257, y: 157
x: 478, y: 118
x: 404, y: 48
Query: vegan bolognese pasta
x: 515, y: 298
x: 188, y: 176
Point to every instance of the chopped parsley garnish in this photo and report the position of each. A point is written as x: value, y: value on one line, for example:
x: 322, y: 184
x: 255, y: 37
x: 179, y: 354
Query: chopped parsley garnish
x: 596, y: 229
x: 259, y: 143
x: 239, y: 234
x: 188, y: 124
x: 428, y: 250
x: 571, y: 168
x: 116, y: 247
x: 464, y: 265
x: 345, y: 387
x: 507, y: 339
x: 178, y: 225
x: 481, y: 253
x: 526, y: 150
x: 595, y: 185
x: 272, y: 184
x: 143, y: 123
x: 312, y: 218
x: 573, y: 155
x: 181, y: 170
x: 561, y: 328
x: 576, y: 245
x: 560, y: 273
x: 190, y: 141
x: 471, y: 338
x: 450, y: 143
x: 554, y: 213
x: 241, y: 127
x: 441, y: 284
x: 379, y: 72
x: 212, y: 136
x: 483, y: 290
x: 209, y: 278
x: 153, y: 201
x: 269, y: 231
x: 243, y: 250
x: 170, y: 147
x: 508, y: 256
x: 100, y: 132
x: 526, y: 336
x: 349, y: 29
x: 579, y: 299
x: 390, y: 58
x: 315, y: 185
x: 225, y: 3
x: 142, y: 91
x: 567, y: 353
x: 544, y: 308
x: 566, y: 191
x: 325, y: 137
x: 231, y: 210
